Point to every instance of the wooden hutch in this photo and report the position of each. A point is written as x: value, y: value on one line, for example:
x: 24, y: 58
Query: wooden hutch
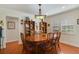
x: 29, y: 27
x: 43, y: 27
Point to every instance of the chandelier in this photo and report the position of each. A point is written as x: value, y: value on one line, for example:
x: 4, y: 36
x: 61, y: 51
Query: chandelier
x: 40, y: 16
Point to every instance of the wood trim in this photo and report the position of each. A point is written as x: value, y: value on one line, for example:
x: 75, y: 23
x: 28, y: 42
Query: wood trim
x: 12, y: 42
x: 69, y: 45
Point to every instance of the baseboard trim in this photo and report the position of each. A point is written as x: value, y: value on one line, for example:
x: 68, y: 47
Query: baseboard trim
x: 69, y: 44
x: 4, y: 46
x: 20, y: 42
x: 11, y: 42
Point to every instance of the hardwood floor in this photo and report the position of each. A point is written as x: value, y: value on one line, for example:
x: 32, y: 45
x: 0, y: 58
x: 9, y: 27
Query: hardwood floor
x: 12, y: 48
x: 68, y: 49
x: 15, y: 48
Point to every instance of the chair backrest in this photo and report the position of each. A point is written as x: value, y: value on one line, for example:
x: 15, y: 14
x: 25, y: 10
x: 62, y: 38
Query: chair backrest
x: 57, y: 36
x: 54, y: 36
x: 22, y: 38
x: 50, y: 35
x: 28, y: 45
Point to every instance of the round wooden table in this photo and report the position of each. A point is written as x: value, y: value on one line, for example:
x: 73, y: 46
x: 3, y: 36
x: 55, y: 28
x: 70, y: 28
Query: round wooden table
x: 37, y: 39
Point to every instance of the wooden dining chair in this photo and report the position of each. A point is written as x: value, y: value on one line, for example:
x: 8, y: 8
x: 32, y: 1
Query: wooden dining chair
x: 31, y: 46
x: 57, y: 40
x: 45, y: 47
x: 27, y: 45
x: 54, y: 39
x: 23, y: 43
x: 50, y: 37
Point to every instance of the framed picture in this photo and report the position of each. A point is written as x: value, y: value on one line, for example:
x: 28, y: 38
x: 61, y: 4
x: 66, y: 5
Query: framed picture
x: 10, y: 25
x: 77, y: 21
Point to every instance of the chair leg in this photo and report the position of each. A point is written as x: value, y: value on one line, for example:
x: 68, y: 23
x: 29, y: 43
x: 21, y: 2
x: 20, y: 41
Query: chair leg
x: 23, y: 50
x: 59, y: 48
x: 55, y: 49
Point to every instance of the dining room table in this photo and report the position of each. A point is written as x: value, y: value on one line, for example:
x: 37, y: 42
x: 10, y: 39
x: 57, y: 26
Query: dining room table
x: 43, y: 43
x: 37, y: 39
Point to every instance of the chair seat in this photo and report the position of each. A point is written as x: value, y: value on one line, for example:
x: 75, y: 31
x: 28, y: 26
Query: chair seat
x: 29, y: 47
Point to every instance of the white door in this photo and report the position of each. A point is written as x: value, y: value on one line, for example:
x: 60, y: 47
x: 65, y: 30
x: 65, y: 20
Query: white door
x: 12, y: 32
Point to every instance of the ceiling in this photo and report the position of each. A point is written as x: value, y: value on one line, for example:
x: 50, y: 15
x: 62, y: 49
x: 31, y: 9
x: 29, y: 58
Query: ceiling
x: 48, y: 9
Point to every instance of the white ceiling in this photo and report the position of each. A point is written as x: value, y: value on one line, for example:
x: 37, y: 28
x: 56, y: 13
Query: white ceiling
x: 48, y: 9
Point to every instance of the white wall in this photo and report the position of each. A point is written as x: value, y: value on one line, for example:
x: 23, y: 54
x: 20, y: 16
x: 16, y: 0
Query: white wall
x: 13, y: 13
x: 69, y: 17
x: 12, y: 34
